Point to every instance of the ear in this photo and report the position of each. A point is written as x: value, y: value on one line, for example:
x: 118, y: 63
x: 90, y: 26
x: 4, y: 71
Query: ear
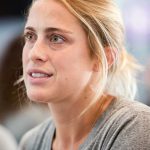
x: 110, y: 56
x: 96, y: 64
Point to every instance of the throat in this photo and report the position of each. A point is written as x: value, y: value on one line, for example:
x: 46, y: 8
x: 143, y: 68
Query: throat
x: 72, y: 135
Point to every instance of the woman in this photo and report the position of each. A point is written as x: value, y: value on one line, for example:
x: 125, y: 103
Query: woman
x: 74, y: 60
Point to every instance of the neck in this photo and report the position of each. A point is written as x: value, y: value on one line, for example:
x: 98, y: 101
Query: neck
x: 73, y: 126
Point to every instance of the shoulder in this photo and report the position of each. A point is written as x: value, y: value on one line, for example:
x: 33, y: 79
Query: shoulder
x: 30, y: 138
x: 132, y: 125
x: 133, y: 113
x: 123, y: 105
x: 133, y: 108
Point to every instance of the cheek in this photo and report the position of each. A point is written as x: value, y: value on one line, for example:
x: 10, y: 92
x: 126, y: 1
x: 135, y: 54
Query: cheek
x: 24, y: 61
x: 71, y: 68
x: 77, y: 61
x: 24, y: 57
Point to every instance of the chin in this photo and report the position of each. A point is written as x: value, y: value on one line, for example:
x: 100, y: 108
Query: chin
x: 37, y: 97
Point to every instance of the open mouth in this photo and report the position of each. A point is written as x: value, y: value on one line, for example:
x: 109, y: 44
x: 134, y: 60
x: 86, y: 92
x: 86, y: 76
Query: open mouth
x: 40, y: 75
x: 37, y: 73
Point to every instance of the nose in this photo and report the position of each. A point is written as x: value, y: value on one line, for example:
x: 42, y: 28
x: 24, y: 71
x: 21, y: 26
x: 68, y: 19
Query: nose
x: 38, y: 52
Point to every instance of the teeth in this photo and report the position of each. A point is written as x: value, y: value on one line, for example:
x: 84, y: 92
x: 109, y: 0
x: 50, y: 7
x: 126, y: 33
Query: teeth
x: 38, y: 75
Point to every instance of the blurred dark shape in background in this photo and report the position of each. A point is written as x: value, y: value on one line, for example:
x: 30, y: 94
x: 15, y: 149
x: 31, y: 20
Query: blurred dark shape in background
x: 13, y: 8
x: 11, y: 15
x: 10, y: 70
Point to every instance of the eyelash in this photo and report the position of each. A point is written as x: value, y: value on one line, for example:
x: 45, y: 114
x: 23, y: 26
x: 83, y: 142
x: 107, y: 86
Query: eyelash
x: 31, y: 37
x: 57, y: 36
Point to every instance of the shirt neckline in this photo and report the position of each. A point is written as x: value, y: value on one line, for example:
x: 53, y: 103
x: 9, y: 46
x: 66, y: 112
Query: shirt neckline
x: 92, y: 134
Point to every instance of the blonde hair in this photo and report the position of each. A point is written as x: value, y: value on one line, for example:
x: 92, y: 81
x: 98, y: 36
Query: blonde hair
x: 103, y: 24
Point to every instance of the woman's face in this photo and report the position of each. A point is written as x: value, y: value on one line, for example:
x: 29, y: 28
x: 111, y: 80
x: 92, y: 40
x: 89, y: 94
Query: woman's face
x: 56, y: 57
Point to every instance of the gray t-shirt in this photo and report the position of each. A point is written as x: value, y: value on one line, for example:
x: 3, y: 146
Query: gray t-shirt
x: 125, y: 125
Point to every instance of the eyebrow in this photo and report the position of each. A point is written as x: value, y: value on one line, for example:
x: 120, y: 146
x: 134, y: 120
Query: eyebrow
x: 50, y: 29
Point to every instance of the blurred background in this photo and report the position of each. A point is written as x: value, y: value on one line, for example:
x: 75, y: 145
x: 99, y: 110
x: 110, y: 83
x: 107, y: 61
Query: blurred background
x: 19, y: 115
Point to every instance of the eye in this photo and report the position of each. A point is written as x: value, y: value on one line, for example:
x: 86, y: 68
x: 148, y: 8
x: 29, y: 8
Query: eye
x: 29, y: 37
x: 57, y: 39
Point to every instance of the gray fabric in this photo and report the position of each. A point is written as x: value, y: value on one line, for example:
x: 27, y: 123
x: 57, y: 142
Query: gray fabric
x: 7, y: 141
x: 125, y: 125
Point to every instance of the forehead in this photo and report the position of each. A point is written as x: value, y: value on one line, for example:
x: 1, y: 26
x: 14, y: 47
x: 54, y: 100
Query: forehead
x: 51, y: 12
